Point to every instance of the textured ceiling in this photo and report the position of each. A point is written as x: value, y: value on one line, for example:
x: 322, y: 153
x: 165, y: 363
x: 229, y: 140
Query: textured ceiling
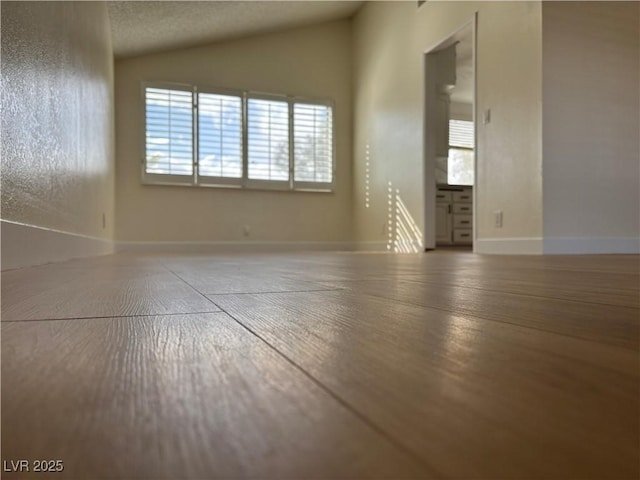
x: 144, y: 27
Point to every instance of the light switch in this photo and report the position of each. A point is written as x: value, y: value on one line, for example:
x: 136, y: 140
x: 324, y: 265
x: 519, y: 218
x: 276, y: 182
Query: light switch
x: 486, y: 116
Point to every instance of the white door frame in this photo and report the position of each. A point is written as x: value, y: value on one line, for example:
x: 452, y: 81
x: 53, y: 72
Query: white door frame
x: 428, y: 133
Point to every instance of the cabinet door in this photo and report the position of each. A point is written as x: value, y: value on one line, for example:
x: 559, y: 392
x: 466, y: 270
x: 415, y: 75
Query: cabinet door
x: 443, y: 223
x: 463, y: 236
x: 463, y: 197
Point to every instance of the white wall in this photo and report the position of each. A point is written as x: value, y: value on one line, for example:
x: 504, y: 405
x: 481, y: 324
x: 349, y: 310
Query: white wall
x: 461, y: 111
x: 591, y: 54
x: 314, y: 61
x: 390, y: 39
x: 57, y: 131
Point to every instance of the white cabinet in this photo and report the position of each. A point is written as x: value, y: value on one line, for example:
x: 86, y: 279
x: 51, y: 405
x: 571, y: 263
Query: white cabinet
x: 462, y: 216
x: 462, y: 237
x: 443, y: 223
x: 454, y: 215
x: 463, y: 196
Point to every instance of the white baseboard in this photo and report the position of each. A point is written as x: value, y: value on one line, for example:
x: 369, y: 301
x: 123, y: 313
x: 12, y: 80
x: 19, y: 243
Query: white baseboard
x: 591, y: 245
x: 28, y: 245
x: 214, y: 247
x: 509, y: 246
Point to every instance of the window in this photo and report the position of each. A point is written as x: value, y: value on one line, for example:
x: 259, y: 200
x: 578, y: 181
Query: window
x: 461, y: 159
x: 169, y: 132
x: 239, y: 139
x: 219, y: 137
x: 313, y: 143
x: 268, y: 139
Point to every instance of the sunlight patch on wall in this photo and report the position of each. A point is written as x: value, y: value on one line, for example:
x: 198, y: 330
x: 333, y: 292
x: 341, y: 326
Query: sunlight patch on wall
x: 403, y: 236
x: 408, y: 235
x: 390, y: 218
x: 367, y: 172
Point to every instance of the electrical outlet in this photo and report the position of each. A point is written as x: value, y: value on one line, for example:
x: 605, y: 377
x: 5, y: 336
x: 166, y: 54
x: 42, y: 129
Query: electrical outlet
x: 497, y: 217
x: 104, y: 221
x: 246, y: 230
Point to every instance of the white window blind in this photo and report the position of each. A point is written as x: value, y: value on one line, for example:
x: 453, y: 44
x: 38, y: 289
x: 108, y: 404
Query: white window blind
x: 268, y: 139
x: 460, y: 169
x: 169, y: 131
x: 460, y: 134
x: 313, y: 143
x: 219, y: 135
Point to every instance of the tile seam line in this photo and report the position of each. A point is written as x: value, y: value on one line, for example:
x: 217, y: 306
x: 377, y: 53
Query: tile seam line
x: 346, y: 405
x: 455, y: 312
x: 429, y: 470
x: 104, y: 317
x: 273, y: 293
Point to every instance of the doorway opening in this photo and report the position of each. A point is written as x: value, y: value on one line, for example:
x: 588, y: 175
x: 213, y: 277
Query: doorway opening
x: 450, y: 155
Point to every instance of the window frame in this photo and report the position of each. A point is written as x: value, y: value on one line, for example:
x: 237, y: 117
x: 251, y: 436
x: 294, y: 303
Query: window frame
x: 243, y: 182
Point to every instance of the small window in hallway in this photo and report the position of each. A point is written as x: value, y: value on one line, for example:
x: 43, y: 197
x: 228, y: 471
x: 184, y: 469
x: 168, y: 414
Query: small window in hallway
x: 461, y: 156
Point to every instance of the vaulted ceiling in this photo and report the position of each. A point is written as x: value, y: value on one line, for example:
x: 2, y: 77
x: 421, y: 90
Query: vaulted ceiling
x: 140, y: 28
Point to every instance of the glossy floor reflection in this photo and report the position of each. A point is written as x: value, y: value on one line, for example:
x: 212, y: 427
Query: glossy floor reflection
x: 331, y: 365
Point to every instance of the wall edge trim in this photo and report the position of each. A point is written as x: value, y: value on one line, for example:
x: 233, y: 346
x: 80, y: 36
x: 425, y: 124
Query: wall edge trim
x: 24, y: 245
x: 238, y: 246
x: 591, y: 245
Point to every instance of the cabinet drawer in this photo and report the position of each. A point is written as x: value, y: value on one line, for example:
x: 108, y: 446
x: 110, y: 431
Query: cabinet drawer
x: 462, y: 236
x: 443, y: 197
x: 462, y: 221
x: 464, y: 208
x: 463, y: 197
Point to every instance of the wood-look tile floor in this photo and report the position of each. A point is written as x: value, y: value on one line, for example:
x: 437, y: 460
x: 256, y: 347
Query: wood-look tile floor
x: 323, y: 365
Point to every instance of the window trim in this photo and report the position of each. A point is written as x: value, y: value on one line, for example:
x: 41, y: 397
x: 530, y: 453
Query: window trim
x: 244, y: 182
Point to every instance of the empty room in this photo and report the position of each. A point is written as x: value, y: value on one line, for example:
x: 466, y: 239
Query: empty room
x: 320, y: 239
